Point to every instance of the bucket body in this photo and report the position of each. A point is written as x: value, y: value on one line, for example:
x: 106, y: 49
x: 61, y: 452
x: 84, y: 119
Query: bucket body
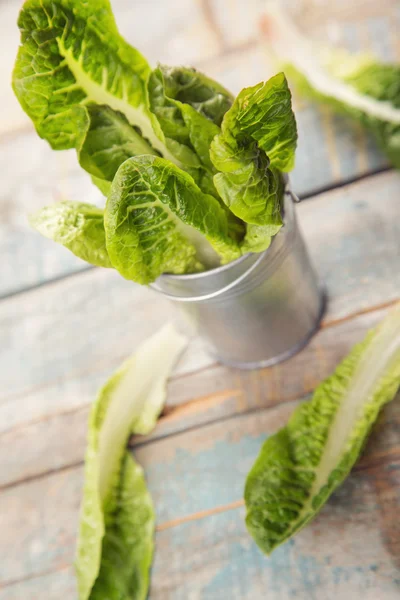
x: 258, y: 310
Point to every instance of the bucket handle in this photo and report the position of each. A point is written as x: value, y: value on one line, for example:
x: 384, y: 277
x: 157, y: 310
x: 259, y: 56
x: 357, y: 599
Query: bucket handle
x: 215, y: 294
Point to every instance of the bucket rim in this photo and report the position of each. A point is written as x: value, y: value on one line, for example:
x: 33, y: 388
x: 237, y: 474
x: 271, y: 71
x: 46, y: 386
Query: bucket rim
x: 209, y: 272
x: 234, y: 263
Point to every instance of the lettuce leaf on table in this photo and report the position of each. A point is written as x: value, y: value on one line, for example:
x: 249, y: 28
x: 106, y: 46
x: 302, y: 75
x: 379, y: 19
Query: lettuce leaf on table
x: 356, y: 85
x: 115, y: 544
x: 300, y: 466
x: 157, y: 220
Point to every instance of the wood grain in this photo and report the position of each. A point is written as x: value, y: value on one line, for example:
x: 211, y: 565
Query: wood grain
x: 197, y: 473
x: 342, y: 554
x: 61, y: 341
x: 51, y: 586
x: 58, y: 441
x: 77, y: 331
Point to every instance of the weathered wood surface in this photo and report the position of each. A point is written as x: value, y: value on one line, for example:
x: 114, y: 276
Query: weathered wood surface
x: 75, y: 332
x: 61, y: 341
x: 201, y: 538
x: 58, y: 439
x: 220, y: 38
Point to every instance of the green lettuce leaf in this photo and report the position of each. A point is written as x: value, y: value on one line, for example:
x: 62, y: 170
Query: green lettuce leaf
x: 109, y: 141
x: 71, y: 56
x: 356, y: 85
x: 258, y: 237
x: 157, y: 220
x: 77, y: 226
x: 127, y: 546
x: 201, y: 132
x: 103, y: 185
x: 171, y: 122
x: 257, y: 141
x: 300, y: 466
x: 115, y: 544
x: 188, y: 106
x: 188, y: 86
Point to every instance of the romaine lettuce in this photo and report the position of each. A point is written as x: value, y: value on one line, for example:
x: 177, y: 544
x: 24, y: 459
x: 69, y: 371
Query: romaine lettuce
x: 216, y: 191
x: 257, y: 142
x: 115, y: 545
x: 71, y: 56
x: 356, y: 85
x: 77, y: 226
x: 158, y: 220
x: 188, y: 105
x: 300, y: 466
x: 190, y: 87
x: 109, y: 141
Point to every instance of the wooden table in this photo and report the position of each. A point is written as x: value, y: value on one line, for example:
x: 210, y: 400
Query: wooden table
x: 65, y: 327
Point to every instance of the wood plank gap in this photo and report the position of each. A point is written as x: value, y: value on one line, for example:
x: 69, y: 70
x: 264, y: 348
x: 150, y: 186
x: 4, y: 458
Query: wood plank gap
x: 48, y: 282
x: 169, y: 413
x: 363, y: 311
x: 324, y: 325
x: 39, y: 476
x: 345, y: 182
x: 11, y: 582
x: 303, y: 197
x: 362, y: 465
x: 202, y: 514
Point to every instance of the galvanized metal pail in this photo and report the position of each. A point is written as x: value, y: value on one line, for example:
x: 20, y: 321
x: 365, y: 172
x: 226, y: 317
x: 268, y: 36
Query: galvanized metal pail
x: 260, y: 309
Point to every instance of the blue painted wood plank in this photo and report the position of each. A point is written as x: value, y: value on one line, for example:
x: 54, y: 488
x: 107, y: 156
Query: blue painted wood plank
x: 341, y: 555
x: 353, y: 543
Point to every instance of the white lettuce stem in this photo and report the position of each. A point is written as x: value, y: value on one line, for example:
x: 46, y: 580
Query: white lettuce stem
x: 291, y: 47
x: 138, y: 396
x: 377, y: 359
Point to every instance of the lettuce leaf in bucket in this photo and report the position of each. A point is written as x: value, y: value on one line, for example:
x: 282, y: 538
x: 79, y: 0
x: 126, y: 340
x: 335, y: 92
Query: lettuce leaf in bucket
x: 77, y: 226
x: 189, y: 108
x: 257, y: 143
x: 178, y: 93
x: 71, y: 55
x: 110, y: 140
x: 204, y: 170
x: 158, y: 220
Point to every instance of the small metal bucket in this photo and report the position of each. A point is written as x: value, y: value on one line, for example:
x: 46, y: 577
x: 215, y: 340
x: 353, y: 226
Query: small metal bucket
x: 260, y: 309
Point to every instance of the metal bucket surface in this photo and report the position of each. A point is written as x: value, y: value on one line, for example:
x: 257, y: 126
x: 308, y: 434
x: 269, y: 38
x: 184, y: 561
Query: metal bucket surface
x: 258, y: 310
